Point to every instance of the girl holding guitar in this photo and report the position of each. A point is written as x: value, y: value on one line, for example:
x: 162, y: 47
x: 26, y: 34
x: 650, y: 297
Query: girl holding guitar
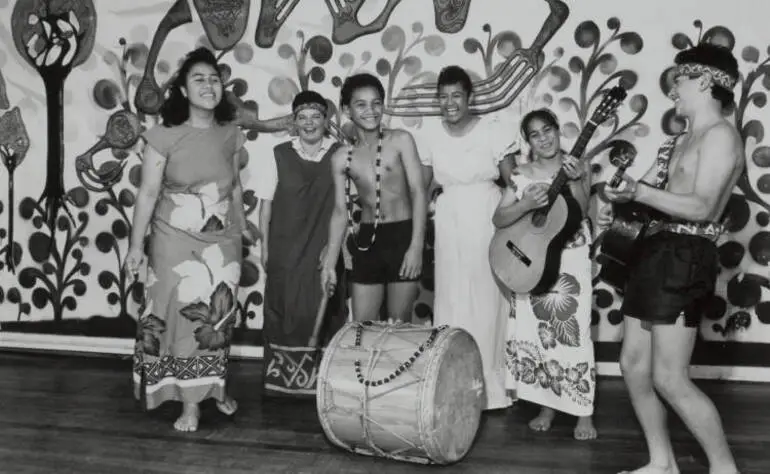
x: 552, y: 352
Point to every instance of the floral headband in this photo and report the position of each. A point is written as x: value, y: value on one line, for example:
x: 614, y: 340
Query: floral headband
x: 719, y: 77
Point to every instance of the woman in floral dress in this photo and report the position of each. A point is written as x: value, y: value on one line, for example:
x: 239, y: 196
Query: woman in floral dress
x: 550, y: 351
x: 190, y: 200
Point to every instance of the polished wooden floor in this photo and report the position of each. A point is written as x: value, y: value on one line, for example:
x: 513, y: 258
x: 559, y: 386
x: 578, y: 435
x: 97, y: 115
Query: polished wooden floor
x: 62, y: 414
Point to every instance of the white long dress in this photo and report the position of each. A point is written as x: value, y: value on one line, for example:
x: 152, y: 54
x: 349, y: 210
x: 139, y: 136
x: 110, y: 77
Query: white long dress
x: 466, y: 294
x: 550, y: 354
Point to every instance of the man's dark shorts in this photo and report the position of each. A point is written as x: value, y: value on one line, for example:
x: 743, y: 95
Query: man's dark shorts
x: 674, y: 275
x: 381, y: 263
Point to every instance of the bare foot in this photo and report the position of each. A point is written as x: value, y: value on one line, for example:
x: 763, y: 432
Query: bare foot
x: 229, y: 406
x: 584, y: 429
x: 542, y: 422
x: 653, y: 469
x: 188, y: 420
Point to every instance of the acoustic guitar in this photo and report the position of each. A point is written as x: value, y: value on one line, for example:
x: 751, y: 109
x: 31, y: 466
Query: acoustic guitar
x: 526, y: 256
x: 632, y: 221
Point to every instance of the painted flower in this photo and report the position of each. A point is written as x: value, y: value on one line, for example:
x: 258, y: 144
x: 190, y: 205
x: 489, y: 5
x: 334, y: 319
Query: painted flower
x: 148, y: 332
x: 203, y: 211
x: 510, y: 354
x: 547, y: 335
x: 557, y: 308
x: 555, y: 370
x: 572, y: 375
x: 200, y: 275
x: 560, y: 302
x: 526, y: 370
x: 221, y: 306
x: 541, y: 374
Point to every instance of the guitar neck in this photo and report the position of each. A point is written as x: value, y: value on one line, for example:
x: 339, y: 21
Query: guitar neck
x: 577, y: 151
x: 617, y: 177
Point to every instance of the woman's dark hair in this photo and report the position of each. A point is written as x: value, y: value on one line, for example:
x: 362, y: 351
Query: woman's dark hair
x: 176, y: 108
x: 359, y: 81
x: 455, y: 75
x: 718, y: 57
x: 543, y: 115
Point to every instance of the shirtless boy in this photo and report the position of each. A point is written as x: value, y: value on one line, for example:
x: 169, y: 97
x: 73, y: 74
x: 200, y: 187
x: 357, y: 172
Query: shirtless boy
x: 385, y: 168
x: 676, y: 269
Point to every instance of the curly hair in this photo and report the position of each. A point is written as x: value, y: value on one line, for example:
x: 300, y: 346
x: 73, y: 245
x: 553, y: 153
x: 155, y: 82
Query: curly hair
x: 359, y: 81
x: 176, y: 108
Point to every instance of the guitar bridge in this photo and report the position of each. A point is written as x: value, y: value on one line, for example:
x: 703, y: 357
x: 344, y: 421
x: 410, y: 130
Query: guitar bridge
x: 518, y: 253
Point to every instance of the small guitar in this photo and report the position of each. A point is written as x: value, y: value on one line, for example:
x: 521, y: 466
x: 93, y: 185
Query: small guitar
x: 620, y: 242
x: 617, y: 242
x: 631, y: 223
x: 526, y: 256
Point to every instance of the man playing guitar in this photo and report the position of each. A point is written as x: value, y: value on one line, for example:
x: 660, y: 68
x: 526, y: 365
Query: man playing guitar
x: 675, y: 273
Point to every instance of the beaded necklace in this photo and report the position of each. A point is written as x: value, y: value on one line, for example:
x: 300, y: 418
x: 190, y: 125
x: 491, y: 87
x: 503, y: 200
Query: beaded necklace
x: 377, y: 191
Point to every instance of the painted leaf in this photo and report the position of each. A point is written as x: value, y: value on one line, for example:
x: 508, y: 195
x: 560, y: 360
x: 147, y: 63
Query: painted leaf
x: 587, y: 34
x: 556, y: 387
x: 750, y: 54
x: 319, y: 48
x: 393, y: 38
x: 13, y: 134
x: 222, y: 301
x: 434, y: 45
x: 631, y: 42
x: 210, y: 339
x: 196, y: 312
x: 680, y: 41
x: 719, y: 35
x: 150, y: 329
x: 567, y: 332
x: 224, y: 21
x: 4, y: 104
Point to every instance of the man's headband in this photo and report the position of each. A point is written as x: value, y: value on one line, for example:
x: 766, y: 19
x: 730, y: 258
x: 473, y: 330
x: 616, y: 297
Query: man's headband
x: 719, y: 77
x: 310, y: 105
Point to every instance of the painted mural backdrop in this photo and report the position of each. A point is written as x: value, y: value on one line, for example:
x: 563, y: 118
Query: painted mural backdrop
x: 79, y: 82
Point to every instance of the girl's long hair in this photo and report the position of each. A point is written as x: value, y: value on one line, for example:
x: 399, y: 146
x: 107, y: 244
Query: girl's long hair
x: 176, y: 108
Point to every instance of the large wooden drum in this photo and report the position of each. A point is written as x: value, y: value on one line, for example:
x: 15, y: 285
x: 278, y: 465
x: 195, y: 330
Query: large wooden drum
x: 401, y: 391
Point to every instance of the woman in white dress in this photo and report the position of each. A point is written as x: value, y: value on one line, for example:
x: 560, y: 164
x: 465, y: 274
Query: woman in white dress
x: 465, y: 156
x: 550, y: 351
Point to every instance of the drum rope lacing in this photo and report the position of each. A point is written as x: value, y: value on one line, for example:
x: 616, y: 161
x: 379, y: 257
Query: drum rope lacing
x: 402, y: 367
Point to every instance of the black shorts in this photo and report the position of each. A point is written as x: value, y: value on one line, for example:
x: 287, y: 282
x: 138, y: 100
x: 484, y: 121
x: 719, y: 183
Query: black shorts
x: 380, y: 263
x: 674, y: 275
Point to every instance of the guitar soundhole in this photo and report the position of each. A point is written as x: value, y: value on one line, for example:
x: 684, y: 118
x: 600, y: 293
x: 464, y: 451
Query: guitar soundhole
x: 539, y: 218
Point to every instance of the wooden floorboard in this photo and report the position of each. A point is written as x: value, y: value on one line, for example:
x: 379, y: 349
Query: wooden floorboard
x: 62, y: 414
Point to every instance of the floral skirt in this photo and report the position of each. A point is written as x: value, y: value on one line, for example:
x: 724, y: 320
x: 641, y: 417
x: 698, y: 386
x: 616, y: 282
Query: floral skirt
x: 190, y: 309
x: 549, y: 351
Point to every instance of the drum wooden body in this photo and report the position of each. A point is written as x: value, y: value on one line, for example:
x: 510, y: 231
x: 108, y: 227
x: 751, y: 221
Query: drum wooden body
x: 428, y: 413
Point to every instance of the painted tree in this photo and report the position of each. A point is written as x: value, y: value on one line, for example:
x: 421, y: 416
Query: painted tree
x: 54, y: 37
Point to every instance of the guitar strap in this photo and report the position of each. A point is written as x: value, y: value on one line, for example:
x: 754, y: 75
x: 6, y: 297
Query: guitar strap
x: 662, y: 162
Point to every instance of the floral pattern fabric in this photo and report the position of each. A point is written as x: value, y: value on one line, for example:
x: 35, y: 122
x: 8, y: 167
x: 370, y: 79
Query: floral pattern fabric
x: 186, y: 323
x: 549, y: 351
